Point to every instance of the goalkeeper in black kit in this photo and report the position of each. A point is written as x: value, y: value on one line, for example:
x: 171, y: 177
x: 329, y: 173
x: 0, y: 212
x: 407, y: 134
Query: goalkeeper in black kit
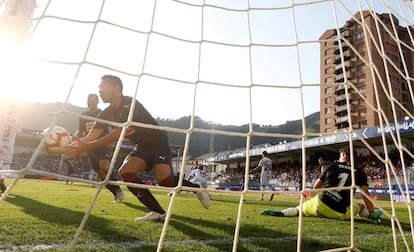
x: 335, y: 204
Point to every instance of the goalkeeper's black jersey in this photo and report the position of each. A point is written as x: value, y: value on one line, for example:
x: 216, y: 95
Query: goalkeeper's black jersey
x: 339, y: 175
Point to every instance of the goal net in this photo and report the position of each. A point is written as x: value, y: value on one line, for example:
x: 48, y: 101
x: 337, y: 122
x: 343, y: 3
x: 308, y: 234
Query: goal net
x: 252, y: 63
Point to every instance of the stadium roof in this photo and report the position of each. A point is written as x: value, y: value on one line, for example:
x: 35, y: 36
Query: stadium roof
x: 327, y: 142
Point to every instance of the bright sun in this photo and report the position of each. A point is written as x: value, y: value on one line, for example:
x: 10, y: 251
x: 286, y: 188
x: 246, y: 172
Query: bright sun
x: 18, y: 71
x: 23, y: 78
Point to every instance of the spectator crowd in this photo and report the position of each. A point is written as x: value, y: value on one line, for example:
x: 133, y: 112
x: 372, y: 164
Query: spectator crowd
x: 286, y: 173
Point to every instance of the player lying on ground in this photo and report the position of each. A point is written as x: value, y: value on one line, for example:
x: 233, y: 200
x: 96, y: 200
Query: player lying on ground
x: 335, y: 204
x: 151, y: 151
x: 197, y: 176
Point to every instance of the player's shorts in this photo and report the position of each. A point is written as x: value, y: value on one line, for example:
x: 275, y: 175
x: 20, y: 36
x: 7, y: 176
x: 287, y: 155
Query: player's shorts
x: 315, y: 207
x: 152, y: 155
x: 199, y: 180
x: 98, y: 154
x: 265, y: 178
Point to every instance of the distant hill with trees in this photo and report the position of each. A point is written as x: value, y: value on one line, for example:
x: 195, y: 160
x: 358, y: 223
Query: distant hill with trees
x: 200, y: 143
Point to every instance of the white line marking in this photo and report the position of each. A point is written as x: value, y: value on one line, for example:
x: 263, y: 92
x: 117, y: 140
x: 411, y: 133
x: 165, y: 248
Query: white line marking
x: 136, y: 245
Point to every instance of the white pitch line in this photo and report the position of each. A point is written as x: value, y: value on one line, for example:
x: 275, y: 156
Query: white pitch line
x: 138, y: 244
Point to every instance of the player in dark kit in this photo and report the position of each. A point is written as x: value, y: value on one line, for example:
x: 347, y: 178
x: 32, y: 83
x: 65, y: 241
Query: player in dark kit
x: 99, y: 158
x: 3, y: 187
x: 85, y: 125
x: 335, y: 204
x: 151, y: 152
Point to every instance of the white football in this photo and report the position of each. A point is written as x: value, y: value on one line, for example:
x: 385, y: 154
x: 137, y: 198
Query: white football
x: 57, y: 138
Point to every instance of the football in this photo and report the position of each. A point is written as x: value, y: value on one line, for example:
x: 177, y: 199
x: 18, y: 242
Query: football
x: 57, y: 138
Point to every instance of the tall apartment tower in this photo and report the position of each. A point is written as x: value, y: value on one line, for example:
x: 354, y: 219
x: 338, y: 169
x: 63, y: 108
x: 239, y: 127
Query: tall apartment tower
x: 338, y: 71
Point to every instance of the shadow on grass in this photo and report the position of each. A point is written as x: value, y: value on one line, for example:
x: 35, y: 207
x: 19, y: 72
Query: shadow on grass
x: 252, y: 237
x: 215, y: 234
x: 384, y: 223
x: 137, y: 206
x: 66, y: 217
x: 236, y: 199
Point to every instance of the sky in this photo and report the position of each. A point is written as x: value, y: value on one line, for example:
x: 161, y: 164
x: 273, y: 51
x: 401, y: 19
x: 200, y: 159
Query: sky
x: 224, y: 61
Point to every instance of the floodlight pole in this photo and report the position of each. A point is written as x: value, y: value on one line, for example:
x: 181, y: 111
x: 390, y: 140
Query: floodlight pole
x: 211, y: 148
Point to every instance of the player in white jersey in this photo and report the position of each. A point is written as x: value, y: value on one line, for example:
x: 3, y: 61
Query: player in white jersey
x: 9, y: 127
x: 266, y: 173
x: 198, y: 176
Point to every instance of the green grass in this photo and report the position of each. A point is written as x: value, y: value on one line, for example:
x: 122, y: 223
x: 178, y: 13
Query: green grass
x: 49, y: 213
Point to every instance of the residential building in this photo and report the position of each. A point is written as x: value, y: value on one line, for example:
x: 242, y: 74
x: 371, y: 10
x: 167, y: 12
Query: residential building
x: 347, y: 77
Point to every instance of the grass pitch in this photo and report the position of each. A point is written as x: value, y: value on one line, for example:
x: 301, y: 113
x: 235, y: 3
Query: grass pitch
x: 45, y: 215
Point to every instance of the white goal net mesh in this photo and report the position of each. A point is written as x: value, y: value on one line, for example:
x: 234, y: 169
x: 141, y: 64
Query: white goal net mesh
x: 230, y: 63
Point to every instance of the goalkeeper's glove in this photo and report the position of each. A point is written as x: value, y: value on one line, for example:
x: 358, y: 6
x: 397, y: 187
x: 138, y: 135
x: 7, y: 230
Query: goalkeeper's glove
x: 375, y: 216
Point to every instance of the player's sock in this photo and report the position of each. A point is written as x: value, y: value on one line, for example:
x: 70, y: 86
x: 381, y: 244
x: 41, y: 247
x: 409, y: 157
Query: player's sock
x: 147, y: 199
x: 143, y: 195
x: 114, y: 189
x: 3, y: 187
x: 272, y: 213
x: 290, y: 212
x: 172, y: 181
x: 364, y: 213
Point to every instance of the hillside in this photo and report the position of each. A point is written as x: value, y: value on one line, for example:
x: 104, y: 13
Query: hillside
x: 200, y: 143
x: 32, y: 119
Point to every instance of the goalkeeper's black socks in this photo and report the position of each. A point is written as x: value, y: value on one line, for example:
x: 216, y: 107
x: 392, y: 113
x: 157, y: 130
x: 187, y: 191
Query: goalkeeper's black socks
x: 172, y: 181
x: 114, y: 189
x: 3, y: 187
